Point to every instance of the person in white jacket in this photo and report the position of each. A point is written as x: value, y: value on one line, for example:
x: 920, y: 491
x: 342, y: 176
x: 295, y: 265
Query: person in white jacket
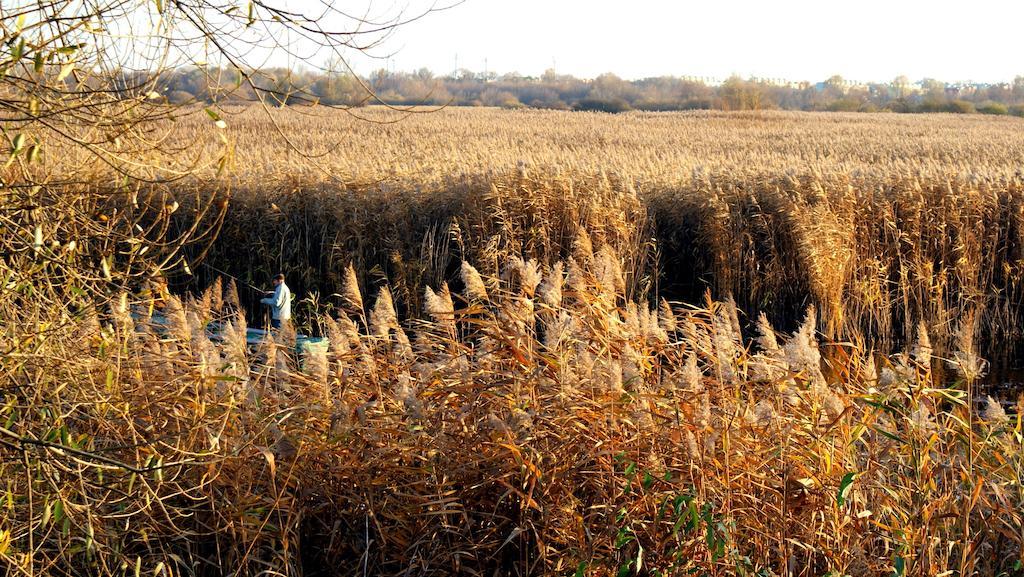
x: 280, y: 302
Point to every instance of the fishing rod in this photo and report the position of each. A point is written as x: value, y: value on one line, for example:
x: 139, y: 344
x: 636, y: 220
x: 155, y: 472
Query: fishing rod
x: 236, y: 279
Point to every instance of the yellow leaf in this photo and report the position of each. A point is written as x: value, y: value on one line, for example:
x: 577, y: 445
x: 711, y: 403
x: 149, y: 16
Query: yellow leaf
x: 271, y: 462
x: 65, y: 70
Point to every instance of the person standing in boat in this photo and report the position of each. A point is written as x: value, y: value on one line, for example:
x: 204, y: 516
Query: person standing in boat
x: 280, y: 302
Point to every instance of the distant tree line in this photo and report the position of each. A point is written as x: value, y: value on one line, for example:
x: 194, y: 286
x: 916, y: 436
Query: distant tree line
x: 607, y: 93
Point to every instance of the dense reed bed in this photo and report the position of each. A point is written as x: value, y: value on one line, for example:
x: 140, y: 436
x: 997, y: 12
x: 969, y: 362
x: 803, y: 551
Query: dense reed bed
x: 879, y: 221
x: 537, y: 422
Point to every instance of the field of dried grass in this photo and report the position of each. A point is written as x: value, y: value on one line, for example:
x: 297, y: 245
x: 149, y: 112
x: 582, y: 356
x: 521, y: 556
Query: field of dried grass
x: 540, y: 423
x: 879, y: 221
x: 544, y: 353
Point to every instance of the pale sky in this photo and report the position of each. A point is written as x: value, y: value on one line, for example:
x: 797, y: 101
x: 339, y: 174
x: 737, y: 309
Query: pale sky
x: 865, y: 40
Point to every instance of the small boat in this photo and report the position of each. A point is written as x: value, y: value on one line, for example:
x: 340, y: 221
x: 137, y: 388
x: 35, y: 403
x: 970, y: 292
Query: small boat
x: 253, y: 337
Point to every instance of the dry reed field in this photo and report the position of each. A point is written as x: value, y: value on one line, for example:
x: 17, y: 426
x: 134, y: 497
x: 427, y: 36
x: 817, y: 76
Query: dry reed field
x: 553, y: 344
x: 879, y: 221
x: 540, y: 423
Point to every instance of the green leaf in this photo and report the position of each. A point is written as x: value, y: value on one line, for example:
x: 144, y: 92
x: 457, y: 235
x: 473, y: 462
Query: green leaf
x: 625, y: 570
x: 899, y: 567
x: 677, y: 504
x: 17, y: 144
x: 694, y: 521
x: 648, y: 480
x: 889, y: 435
x: 212, y: 114
x: 581, y: 569
x: 18, y: 51
x: 47, y: 514
x: 844, y: 488
x: 58, y: 511
x: 624, y: 537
